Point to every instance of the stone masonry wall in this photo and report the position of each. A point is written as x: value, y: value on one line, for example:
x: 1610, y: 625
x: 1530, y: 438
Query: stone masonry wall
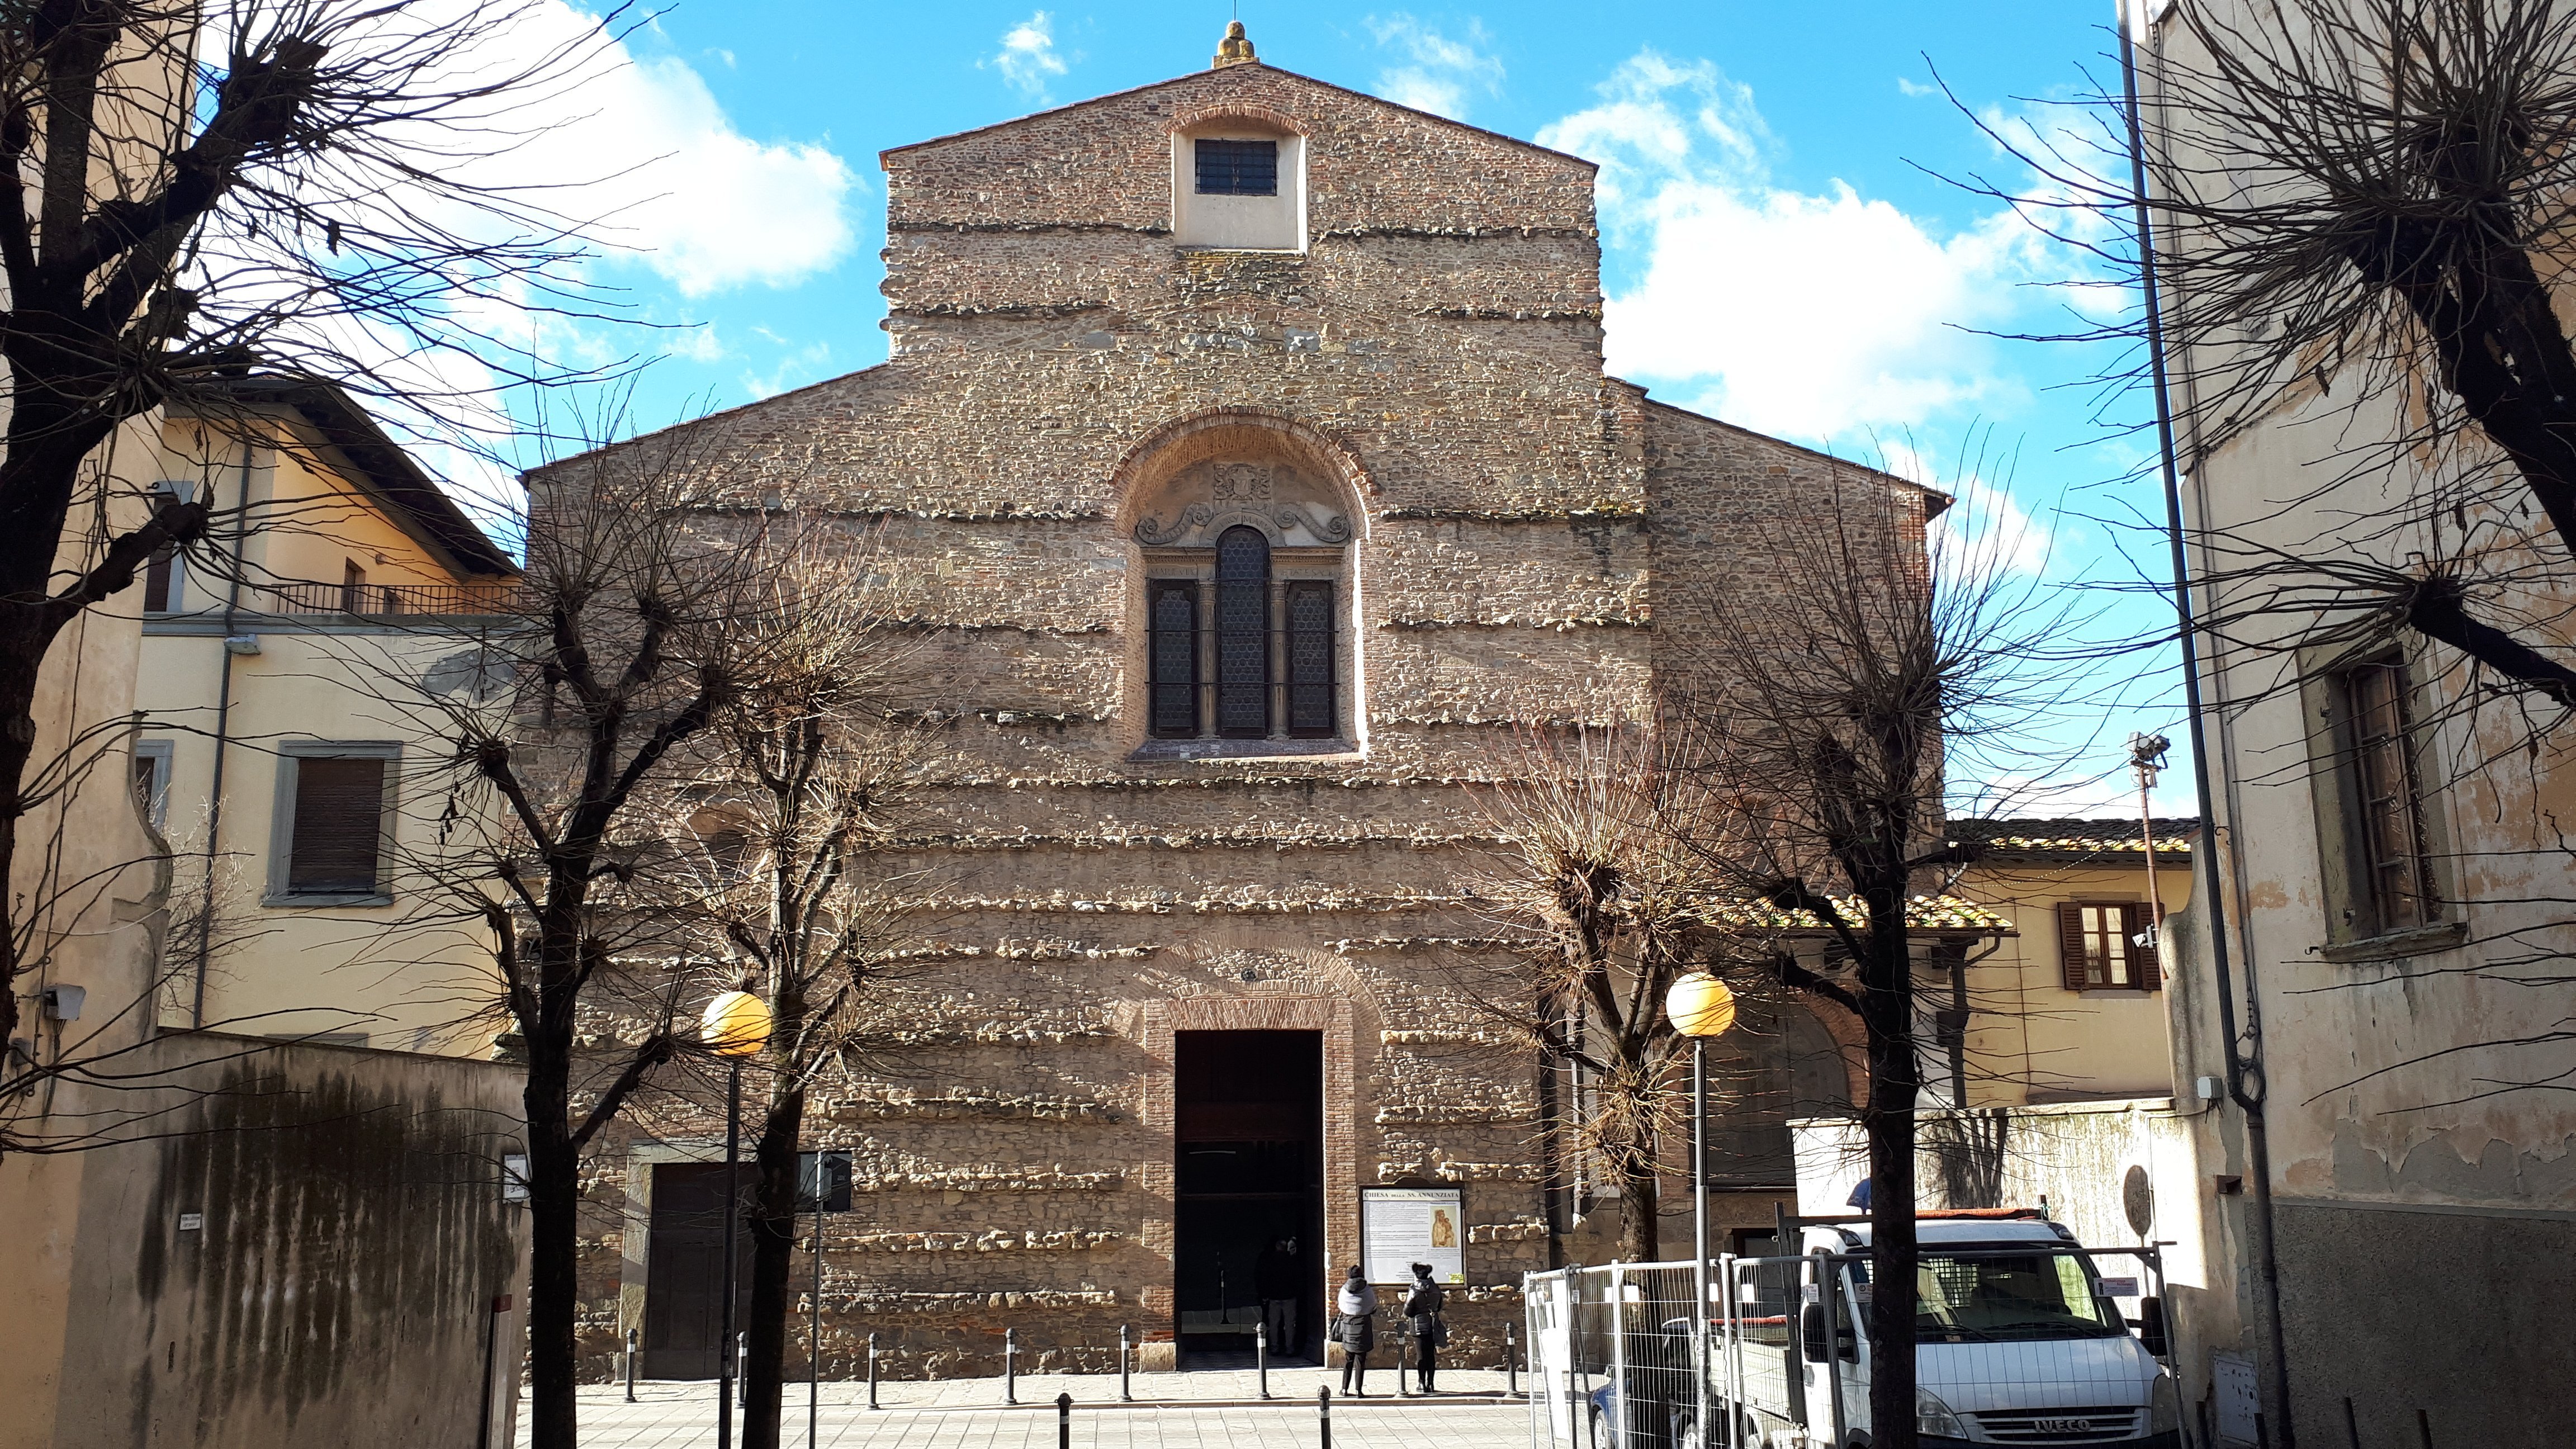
x: 1436, y: 352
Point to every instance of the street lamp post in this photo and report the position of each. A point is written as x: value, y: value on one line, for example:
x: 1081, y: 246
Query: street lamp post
x: 736, y: 1026
x: 1699, y: 1007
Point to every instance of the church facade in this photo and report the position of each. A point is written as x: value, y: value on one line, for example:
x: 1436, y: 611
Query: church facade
x: 1246, y: 462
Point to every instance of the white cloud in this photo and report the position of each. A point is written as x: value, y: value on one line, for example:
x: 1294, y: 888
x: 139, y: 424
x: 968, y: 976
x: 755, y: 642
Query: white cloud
x: 1792, y: 312
x: 1985, y: 532
x: 1908, y: 87
x: 1027, y: 59
x: 729, y: 210
x: 630, y: 156
x: 794, y: 369
x: 1442, y: 73
x: 697, y: 344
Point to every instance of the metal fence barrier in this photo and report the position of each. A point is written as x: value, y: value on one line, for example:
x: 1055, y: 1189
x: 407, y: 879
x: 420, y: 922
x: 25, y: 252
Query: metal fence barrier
x: 1618, y: 1359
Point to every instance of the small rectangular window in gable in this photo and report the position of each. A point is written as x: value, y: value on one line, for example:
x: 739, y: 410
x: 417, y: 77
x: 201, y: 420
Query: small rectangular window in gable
x: 338, y: 826
x: 1238, y: 168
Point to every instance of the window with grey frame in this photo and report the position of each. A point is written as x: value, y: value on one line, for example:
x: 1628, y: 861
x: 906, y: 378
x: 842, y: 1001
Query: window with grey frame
x: 332, y: 836
x: 165, y: 570
x: 1244, y: 655
x: 152, y: 780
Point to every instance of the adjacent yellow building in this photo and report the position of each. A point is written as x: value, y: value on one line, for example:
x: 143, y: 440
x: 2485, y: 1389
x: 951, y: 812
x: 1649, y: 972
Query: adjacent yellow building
x: 289, y: 696
x: 2071, y: 1007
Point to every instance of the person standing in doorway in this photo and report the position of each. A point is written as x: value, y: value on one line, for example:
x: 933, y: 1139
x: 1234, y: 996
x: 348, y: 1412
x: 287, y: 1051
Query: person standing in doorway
x: 1355, y: 1329
x: 1275, y: 1278
x: 1422, y: 1318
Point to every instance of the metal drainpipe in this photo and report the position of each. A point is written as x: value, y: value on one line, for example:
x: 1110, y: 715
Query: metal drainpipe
x: 223, y: 723
x: 2238, y: 1058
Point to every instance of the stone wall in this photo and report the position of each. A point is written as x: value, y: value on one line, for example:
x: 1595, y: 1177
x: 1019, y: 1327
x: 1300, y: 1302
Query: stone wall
x: 1435, y: 354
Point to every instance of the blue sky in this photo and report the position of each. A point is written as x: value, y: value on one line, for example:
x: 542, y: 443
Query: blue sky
x: 1775, y: 251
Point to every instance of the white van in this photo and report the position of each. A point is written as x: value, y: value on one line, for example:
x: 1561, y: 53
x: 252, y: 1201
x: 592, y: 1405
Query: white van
x: 2020, y: 1340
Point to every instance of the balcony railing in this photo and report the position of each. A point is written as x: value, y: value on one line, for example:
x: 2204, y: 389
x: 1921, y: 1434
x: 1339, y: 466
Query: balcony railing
x: 375, y: 600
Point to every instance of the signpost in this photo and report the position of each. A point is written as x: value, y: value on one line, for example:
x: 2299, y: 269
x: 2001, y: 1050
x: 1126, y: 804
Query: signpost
x: 1401, y: 1226
x: 822, y: 1186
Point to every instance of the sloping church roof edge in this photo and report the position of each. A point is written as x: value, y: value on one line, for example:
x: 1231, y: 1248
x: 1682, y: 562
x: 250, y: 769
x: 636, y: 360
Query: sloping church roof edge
x: 1242, y: 68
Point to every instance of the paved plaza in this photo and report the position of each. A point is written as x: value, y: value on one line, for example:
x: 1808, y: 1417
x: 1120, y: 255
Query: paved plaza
x: 1209, y: 1410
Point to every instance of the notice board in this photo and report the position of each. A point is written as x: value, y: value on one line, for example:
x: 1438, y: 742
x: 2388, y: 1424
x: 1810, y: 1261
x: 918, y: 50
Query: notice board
x: 1401, y: 1226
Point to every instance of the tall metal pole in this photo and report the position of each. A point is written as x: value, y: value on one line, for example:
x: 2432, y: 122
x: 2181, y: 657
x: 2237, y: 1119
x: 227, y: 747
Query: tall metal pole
x: 732, y: 1216
x: 2212, y: 891
x: 814, y: 1335
x: 1699, y: 1223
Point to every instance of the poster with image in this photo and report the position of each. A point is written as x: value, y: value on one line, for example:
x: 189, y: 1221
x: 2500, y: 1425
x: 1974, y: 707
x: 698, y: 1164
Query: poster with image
x: 1401, y: 1226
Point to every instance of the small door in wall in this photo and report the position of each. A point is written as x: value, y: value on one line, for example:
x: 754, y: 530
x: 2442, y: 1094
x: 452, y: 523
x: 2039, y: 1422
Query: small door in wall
x: 684, y: 1271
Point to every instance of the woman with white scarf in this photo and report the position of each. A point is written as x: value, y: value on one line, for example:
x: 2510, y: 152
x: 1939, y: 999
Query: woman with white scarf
x: 1355, y: 1329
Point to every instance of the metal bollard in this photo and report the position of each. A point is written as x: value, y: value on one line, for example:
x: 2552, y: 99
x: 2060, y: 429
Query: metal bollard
x: 1124, y: 1358
x: 1261, y: 1353
x: 1511, y: 1362
x: 1010, y: 1365
x: 630, y: 1365
x: 1403, y: 1356
x: 872, y: 1370
x: 1064, y: 1421
x: 1324, y: 1413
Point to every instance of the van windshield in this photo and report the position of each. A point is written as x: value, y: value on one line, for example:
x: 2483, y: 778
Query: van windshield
x: 1996, y: 1296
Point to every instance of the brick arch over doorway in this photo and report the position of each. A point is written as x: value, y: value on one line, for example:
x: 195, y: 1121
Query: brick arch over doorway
x: 1336, y: 1020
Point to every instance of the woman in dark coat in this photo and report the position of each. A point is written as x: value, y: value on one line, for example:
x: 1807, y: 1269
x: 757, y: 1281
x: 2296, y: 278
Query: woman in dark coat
x: 1355, y: 1329
x: 1422, y: 1317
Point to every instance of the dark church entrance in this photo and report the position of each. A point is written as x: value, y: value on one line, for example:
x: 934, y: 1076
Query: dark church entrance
x: 1249, y: 1215
x: 684, y: 1271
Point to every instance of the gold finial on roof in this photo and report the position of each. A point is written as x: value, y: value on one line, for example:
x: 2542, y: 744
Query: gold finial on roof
x: 1234, y: 49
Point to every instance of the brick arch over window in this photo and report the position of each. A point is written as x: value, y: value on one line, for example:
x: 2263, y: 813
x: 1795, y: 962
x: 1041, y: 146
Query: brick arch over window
x: 1245, y: 113
x: 1218, y: 431
x: 1245, y: 586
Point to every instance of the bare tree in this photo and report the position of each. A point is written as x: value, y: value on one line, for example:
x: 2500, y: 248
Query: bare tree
x: 646, y: 617
x: 1826, y: 700
x: 1592, y: 872
x: 2361, y: 218
x: 806, y: 777
x: 194, y: 189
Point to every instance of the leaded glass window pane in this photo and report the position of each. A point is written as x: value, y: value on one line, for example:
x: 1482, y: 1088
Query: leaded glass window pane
x: 1174, y: 662
x: 1243, y: 633
x: 1310, y: 658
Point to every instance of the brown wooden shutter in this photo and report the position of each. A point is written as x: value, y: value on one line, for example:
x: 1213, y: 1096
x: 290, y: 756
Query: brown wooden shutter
x: 2143, y: 964
x: 156, y: 573
x: 2070, y: 945
x: 339, y: 826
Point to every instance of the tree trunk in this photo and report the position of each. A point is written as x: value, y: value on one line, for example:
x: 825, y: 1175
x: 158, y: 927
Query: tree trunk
x: 554, y: 1201
x: 1638, y: 1238
x: 19, y: 664
x: 1895, y: 1078
x: 773, y: 1245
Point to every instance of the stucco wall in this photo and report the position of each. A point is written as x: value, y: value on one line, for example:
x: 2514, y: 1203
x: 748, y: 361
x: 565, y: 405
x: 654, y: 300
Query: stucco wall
x: 341, y: 1284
